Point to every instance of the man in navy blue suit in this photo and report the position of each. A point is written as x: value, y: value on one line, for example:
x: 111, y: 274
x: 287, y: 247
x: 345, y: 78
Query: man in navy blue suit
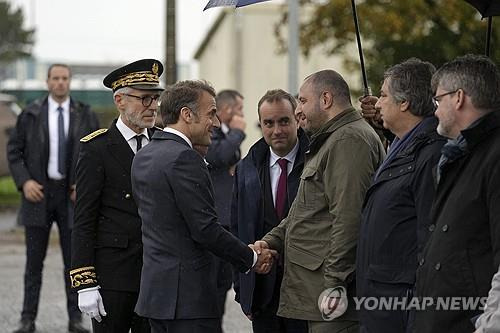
x: 180, y: 233
x: 266, y: 183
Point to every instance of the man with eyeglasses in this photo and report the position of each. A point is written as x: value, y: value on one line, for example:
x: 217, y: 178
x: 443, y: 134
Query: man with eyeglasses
x: 463, y: 251
x: 106, y: 240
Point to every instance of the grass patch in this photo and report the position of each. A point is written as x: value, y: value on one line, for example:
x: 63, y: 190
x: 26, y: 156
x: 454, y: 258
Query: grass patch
x: 9, y: 195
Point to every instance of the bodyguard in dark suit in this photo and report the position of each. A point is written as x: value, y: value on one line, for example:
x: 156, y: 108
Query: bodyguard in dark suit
x: 222, y: 156
x: 265, y: 184
x: 180, y: 232
x: 106, y: 243
x: 42, y: 153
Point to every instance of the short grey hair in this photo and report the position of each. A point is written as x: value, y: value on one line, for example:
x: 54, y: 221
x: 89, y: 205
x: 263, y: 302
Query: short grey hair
x: 410, y: 81
x: 123, y: 90
x: 476, y: 75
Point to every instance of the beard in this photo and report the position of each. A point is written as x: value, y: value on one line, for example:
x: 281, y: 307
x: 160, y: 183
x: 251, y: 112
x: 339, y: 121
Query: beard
x: 136, y: 118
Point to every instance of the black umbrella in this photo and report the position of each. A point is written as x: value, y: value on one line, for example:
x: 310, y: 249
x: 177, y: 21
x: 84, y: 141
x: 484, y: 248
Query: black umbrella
x: 487, y: 8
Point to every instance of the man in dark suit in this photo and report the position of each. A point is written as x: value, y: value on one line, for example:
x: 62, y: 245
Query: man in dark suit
x: 265, y: 184
x: 222, y: 156
x: 106, y: 243
x: 180, y: 232
x: 42, y: 153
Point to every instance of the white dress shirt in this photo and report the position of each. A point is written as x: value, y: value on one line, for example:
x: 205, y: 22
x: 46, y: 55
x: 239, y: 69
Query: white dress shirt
x: 224, y: 128
x: 275, y: 169
x: 130, y: 135
x: 53, y: 115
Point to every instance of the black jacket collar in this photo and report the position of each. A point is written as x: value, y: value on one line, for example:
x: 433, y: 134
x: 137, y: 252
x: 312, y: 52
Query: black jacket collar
x: 480, y: 131
x: 162, y: 135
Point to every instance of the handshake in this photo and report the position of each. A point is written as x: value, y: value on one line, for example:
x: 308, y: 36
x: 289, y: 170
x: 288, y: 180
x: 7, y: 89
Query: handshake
x: 265, y: 257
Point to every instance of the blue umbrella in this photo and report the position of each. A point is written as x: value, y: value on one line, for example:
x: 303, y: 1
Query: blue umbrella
x: 236, y: 3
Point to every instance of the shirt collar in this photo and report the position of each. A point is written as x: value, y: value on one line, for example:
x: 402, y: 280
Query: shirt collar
x: 179, y: 133
x: 224, y: 128
x: 127, y: 132
x: 53, y: 105
x: 290, y: 157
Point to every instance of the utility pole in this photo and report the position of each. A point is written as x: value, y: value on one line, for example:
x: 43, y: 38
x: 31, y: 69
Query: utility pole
x: 170, y: 62
x: 293, y: 45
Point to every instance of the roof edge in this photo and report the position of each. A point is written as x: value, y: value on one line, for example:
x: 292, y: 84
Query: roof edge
x: 210, y: 34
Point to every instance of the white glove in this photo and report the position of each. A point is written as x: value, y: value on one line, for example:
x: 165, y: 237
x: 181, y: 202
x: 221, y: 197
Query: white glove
x: 90, y: 303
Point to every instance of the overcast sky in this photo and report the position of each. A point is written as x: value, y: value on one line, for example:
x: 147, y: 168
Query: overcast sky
x: 112, y: 31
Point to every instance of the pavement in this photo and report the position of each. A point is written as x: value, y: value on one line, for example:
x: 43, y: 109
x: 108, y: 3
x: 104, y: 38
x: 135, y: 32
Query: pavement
x: 52, y: 315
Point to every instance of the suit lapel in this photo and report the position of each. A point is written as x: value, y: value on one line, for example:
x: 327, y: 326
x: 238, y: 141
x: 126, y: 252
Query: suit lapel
x: 119, y: 148
x: 73, y: 138
x: 44, y: 132
x: 74, y: 125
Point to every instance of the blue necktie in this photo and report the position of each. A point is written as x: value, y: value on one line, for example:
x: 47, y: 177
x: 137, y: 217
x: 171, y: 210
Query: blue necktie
x: 61, y: 139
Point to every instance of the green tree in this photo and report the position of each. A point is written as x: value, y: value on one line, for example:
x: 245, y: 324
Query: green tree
x: 394, y: 30
x: 15, y: 41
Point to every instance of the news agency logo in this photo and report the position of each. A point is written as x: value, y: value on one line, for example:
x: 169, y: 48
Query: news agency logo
x: 420, y: 303
x: 332, y: 303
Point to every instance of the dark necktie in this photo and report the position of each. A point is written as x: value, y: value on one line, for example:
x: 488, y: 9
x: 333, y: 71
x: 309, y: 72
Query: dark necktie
x: 61, y: 142
x: 282, y: 189
x: 138, y: 138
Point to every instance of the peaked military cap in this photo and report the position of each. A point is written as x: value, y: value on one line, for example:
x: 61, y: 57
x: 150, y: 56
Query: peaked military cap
x: 142, y: 74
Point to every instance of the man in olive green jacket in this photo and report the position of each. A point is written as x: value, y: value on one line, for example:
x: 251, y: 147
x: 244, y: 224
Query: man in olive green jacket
x: 319, y: 236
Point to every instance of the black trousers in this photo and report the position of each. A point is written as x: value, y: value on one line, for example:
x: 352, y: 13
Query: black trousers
x: 120, y: 316
x: 271, y: 323
x: 224, y: 282
x: 37, y: 239
x: 206, y: 325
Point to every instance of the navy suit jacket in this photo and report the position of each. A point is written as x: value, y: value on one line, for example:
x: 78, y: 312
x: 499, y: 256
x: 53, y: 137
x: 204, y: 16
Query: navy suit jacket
x: 247, y: 213
x: 180, y: 232
x: 224, y: 153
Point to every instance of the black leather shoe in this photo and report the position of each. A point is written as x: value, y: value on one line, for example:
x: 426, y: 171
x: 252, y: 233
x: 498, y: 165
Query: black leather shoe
x: 26, y: 326
x: 75, y: 326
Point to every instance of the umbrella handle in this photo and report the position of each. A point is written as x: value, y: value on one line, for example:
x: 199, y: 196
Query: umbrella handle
x: 367, y: 90
x: 488, y: 35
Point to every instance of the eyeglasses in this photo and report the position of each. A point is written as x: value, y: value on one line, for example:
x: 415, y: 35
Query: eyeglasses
x: 146, y: 100
x: 437, y: 99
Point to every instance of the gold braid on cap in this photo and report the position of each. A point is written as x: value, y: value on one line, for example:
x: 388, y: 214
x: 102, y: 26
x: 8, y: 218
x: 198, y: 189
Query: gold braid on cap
x: 136, y: 78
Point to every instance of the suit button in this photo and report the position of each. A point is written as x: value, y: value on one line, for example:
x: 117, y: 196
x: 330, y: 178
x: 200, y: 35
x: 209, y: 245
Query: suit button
x: 445, y: 228
x: 421, y: 262
x: 127, y: 196
x: 437, y: 267
x: 432, y: 227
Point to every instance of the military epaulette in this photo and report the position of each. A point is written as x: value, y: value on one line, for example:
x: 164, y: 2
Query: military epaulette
x: 84, y: 276
x: 93, y: 135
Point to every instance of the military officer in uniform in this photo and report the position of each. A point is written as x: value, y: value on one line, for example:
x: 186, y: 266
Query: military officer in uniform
x: 106, y: 240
